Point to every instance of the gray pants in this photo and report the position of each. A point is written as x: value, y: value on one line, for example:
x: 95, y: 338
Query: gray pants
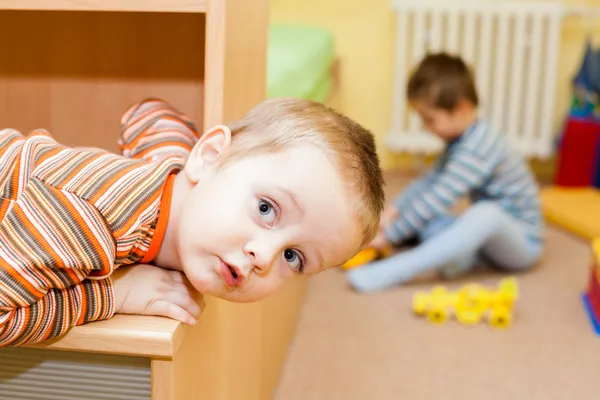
x: 452, y: 245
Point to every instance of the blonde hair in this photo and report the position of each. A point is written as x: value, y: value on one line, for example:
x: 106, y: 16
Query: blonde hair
x: 276, y: 124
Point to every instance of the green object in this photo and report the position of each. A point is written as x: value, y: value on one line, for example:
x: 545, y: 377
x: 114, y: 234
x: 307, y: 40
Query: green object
x: 299, y: 61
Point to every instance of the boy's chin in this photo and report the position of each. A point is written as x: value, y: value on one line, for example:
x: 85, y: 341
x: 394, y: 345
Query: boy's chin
x: 236, y: 296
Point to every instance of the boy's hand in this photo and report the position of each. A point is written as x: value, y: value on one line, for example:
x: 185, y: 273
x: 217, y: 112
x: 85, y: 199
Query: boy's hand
x: 149, y: 290
x: 388, y: 216
x: 380, y: 242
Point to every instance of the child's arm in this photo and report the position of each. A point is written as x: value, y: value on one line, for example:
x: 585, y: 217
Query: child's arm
x: 57, y: 249
x: 463, y: 172
x: 154, y: 130
x: 31, y: 314
x: 414, y: 189
x: 394, y: 207
x: 50, y: 242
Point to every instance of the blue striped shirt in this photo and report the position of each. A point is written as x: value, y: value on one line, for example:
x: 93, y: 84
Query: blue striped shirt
x: 481, y: 165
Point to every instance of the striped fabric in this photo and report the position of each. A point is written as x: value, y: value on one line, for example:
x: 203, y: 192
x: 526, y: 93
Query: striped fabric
x: 480, y: 165
x: 69, y: 217
x: 154, y: 130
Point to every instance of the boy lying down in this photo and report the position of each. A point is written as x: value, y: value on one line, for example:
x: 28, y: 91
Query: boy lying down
x: 292, y: 188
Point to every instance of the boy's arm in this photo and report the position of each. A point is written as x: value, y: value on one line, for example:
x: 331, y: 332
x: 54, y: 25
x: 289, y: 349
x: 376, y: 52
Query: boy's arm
x: 51, y: 241
x: 463, y: 172
x: 29, y: 316
x: 153, y: 130
x: 414, y: 189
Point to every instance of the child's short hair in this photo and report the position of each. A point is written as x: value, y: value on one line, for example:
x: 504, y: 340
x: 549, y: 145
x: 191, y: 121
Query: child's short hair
x: 442, y: 81
x: 276, y: 124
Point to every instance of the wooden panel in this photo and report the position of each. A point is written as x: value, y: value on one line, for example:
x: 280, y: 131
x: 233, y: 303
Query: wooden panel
x: 136, y: 335
x: 334, y: 98
x: 163, y: 380
x: 219, y: 358
x: 107, y: 5
x: 83, y: 70
x: 280, y: 319
x: 236, y: 53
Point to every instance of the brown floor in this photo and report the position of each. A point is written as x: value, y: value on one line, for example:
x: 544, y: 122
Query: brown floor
x: 351, y: 346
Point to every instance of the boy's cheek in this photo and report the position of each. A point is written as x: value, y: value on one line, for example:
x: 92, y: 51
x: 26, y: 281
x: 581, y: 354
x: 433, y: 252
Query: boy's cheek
x: 265, y: 286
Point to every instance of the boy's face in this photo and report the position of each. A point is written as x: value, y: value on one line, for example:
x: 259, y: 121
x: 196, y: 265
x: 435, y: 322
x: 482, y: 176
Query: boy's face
x: 248, y: 227
x: 445, y: 124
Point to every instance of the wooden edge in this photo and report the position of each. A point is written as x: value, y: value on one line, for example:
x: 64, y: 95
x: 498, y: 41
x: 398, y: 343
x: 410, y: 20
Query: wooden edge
x: 336, y: 78
x: 189, y: 6
x: 163, y: 380
x: 130, y: 335
x: 336, y: 74
x: 177, y: 338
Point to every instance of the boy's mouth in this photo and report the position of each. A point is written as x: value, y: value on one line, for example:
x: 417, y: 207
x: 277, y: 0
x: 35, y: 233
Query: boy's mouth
x: 231, y: 275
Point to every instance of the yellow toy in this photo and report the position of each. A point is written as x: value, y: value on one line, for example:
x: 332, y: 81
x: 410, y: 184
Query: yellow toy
x: 470, y: 304
x: 365, y: 256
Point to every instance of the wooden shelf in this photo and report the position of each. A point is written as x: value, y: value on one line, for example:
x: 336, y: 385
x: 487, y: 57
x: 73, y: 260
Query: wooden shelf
x: 97, y: 57
x: 187, y: 6
x: 133, y: 335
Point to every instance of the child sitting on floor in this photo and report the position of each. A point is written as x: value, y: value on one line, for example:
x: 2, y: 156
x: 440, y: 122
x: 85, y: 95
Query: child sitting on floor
x: 503, y: 225
x: 292, y: 188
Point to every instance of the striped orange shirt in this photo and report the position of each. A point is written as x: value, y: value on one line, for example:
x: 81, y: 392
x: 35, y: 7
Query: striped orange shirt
x: 69, y: 217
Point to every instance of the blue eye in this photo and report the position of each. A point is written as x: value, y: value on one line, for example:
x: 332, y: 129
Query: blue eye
x: 294, y: 260
x: 267, y: 211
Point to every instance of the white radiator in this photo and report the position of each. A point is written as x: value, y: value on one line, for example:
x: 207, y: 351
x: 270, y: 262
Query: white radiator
x: 513, y: 48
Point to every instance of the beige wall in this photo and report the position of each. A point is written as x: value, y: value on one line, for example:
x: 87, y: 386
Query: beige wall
x: 364, y: 30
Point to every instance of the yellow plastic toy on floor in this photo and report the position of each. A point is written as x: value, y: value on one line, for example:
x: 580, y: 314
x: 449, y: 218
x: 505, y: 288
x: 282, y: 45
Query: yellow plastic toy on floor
x: 469, y: 304
x: 366, y: 256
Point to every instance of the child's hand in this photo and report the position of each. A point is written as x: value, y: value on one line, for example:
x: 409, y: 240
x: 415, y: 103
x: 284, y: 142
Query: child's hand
x: 388, y: 216
x: 150, y: 290
x: 380, y: 242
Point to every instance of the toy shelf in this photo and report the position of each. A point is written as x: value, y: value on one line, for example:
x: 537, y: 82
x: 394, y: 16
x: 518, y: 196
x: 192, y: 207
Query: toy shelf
x: 84, y: 64
x: 194, y: 6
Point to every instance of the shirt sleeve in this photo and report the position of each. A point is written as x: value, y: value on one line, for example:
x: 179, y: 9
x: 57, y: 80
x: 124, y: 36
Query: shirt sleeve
x: 414, y: 189
x: 463, y: 171
x: 50, y: 242
x: 153, y: 130
x: 53, y: 313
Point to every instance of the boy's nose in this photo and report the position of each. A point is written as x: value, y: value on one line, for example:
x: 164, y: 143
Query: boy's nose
x: 262, y: 256
x: 261, y: 261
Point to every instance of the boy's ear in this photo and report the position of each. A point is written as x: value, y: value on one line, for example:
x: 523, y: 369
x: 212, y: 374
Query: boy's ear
x: 463, y: 106
x: 208, y: 150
